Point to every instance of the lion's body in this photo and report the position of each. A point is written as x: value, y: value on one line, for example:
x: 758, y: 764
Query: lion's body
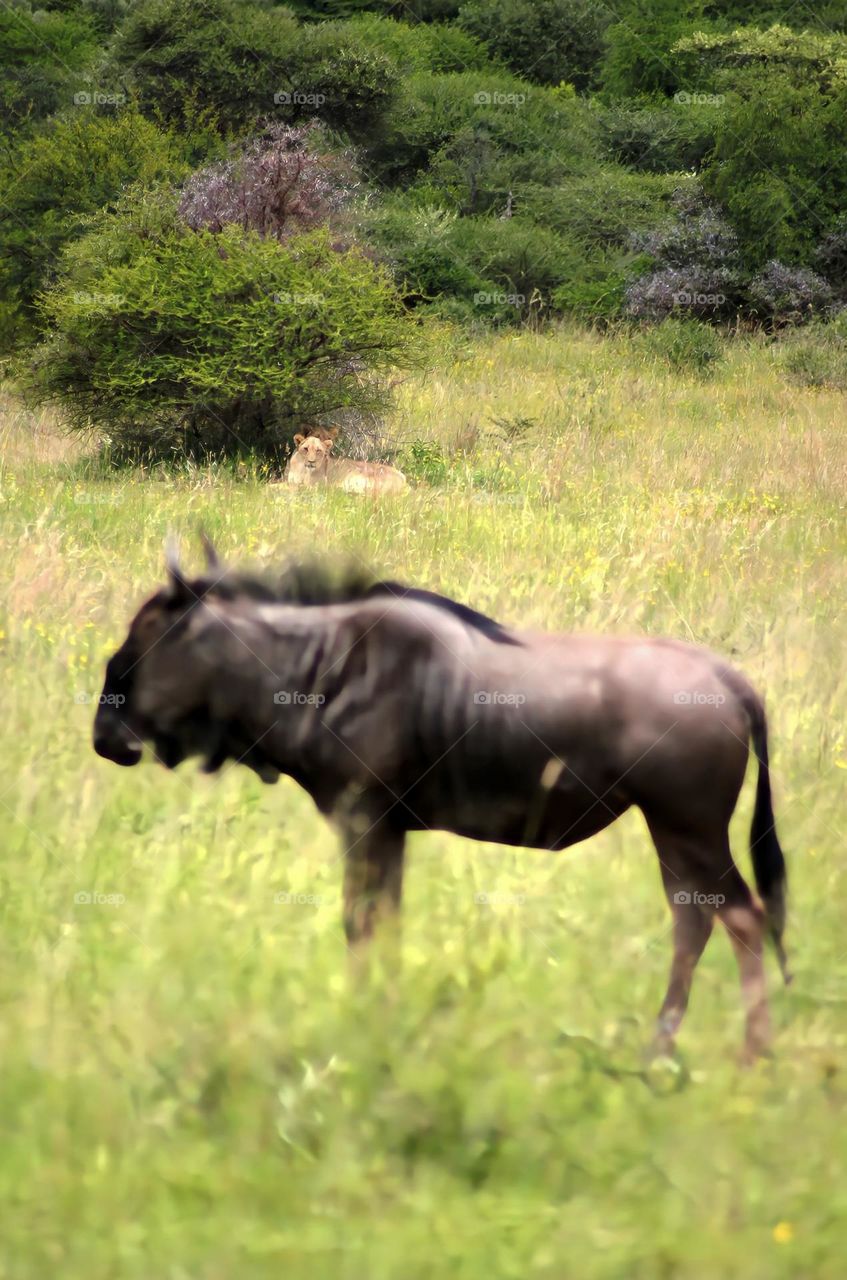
x: 311, y: 464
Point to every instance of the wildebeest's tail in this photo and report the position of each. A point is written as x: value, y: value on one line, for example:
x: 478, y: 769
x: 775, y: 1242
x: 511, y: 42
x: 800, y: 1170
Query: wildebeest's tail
x: 765, y: 849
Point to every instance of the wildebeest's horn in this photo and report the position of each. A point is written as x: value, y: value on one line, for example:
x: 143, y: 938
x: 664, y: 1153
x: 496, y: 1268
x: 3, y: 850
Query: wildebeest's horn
x: 178, y: 585
x: 213, y: 561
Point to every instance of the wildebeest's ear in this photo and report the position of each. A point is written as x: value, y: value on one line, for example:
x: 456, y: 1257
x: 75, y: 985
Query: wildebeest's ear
x: 298, y: 439
x: 213, y: 562
x: 178, y: 588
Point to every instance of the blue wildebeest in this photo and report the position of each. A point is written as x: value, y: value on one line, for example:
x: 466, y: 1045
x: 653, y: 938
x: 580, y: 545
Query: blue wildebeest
x: 400, y: 710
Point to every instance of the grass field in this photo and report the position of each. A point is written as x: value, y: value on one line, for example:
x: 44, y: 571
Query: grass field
x: 192, y: 1090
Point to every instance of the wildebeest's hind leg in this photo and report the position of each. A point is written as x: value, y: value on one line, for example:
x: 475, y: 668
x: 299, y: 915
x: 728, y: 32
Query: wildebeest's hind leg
x: 373, y: 878
x: 701, y: 879
x: 744, y: 920
x: 692, y: 928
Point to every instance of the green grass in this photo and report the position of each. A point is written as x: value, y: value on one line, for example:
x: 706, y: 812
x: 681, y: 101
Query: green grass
x: 191, y: 1087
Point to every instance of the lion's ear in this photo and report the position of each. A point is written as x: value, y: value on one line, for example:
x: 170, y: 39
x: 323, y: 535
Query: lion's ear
x: 332, y: 433
x: 298, y: 440
x: 327, y: 446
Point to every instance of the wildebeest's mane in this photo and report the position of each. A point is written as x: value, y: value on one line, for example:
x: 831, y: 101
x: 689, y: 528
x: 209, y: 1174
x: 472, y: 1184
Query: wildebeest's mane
x: 318, y: 582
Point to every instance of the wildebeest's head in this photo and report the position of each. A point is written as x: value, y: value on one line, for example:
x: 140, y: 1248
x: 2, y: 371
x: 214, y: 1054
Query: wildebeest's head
x: 149, y: 669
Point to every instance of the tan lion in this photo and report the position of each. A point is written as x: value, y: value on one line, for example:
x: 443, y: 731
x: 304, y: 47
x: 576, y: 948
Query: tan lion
x: 311, y: 464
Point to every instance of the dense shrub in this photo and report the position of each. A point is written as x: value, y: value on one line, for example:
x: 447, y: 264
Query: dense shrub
x: 244, y: 62
x: 418, y: 243
x: 549, y: 41
x: 638, y: 56
x: 779, y: 164
x: 436, y: 47
x: 479, y: 134
x: 52, y: 180
x: 604, y: 208
x: 178, y: 342
x: 43, y: 57
x: 660, y: 138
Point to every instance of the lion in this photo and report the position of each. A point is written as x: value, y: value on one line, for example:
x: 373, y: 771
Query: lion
x: 311, y: 464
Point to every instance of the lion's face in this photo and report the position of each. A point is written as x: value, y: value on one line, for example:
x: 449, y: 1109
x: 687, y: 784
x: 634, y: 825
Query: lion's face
x: 312, y: 452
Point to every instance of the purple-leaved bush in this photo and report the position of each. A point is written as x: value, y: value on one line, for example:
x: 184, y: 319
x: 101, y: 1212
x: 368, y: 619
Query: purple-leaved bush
x: 279, y: 184
x: 782, y: 295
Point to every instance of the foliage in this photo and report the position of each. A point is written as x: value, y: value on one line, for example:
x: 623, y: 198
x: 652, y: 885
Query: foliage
x: 548, y: 41
x: 779, y: 166
x: 474, y: 136
x: 638, y: 57
x: 608, y: 207
x: 831, y: 257
x: 660, y: 137
x: 178, y: 53
x: 187, y: 343
x: 71, y: 167
x: 437, y: 47
x: 43, y: 58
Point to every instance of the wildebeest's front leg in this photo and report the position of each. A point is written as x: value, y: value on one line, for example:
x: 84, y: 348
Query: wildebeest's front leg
x: 373, y: 878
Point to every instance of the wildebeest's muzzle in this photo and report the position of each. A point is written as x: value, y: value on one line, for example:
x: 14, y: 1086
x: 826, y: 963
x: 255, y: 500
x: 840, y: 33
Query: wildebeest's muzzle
x: 114, y: 738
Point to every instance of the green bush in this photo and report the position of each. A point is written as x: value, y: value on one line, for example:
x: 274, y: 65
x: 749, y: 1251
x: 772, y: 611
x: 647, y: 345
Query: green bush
x: 244, y: 62
x: 43, y: 57
x: 686, y: 346
x: 638, y: 56
x: 548, y: 41
x: 479, y: 134
x: 817, y: 355
x: 70, y: 168
x: 417, y: 242
x: 604, y: 208
x: 435, y: 47
x: 779, y: 165
x: 178, y: 343
x: 488, y: 269
x: 661, y: 137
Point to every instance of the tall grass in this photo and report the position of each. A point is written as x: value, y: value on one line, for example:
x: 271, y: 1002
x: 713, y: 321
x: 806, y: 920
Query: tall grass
x: 192, y: 1088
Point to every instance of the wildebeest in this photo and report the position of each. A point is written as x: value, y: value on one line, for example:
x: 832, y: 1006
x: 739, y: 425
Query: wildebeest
x: 400, y: 710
